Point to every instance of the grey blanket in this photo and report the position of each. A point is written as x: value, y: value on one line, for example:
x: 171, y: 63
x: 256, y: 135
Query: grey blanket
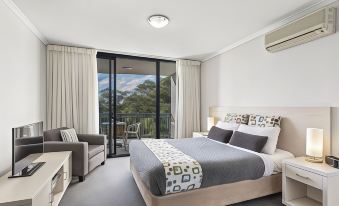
x: 220, y: 163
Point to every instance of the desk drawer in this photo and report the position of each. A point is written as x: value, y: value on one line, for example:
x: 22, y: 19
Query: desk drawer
x: 304, y: 176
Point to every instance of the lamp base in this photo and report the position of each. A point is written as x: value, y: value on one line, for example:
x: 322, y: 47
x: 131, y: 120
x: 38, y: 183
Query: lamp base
x: 314, y: 159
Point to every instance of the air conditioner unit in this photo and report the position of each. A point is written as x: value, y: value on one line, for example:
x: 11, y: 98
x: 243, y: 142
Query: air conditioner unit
x: 308, y: 28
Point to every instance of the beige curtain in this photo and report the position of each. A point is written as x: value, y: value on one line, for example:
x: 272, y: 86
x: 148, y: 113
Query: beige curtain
x: 72, y: 89
x: 187, y: 98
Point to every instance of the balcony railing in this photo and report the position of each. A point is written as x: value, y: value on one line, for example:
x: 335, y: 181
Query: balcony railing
x: 147, y: 127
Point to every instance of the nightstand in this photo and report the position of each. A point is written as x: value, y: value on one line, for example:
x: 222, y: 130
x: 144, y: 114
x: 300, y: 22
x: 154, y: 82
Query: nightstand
x: 200, y: 134
x: 309, y: 184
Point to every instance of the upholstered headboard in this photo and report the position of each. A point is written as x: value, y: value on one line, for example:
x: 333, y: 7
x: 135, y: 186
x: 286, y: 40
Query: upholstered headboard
x: 294, y: 122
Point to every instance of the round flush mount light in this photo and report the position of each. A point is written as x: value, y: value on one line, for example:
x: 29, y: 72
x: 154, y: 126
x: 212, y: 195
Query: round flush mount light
x: 158, y: 21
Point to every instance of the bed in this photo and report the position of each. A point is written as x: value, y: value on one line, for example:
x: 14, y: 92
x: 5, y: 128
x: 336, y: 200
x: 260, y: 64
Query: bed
x: 257, y: 175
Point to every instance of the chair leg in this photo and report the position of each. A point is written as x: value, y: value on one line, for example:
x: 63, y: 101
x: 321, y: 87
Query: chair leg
x: 137, y: 134
x: 81, y: 178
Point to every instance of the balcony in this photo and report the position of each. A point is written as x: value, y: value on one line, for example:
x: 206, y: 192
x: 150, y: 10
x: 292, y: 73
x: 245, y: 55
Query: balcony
x: 131, y: 87
x: 147, y: 125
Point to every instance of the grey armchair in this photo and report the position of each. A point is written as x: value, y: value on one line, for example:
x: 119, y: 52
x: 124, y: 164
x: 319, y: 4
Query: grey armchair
x: 87, y: 154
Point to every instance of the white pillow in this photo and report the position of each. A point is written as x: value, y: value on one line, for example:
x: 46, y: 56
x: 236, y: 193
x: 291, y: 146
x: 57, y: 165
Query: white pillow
x: 69, y: 135
x: 271, y: 132
x: 227, y: 126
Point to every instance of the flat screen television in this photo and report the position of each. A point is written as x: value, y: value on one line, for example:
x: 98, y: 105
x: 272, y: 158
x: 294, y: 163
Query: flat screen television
x: 27, y: 146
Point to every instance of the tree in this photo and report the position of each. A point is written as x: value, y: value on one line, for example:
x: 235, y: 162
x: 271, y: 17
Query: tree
x: 165, y: 95
x: 141, y: 100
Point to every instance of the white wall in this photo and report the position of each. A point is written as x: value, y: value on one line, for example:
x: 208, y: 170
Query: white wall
x: 306, y: 75
x: 22, y: 80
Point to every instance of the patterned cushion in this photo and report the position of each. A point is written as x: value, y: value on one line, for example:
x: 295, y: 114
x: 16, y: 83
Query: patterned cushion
x: 237, y: 118
x: 264, y: 121
x: 69, y: 135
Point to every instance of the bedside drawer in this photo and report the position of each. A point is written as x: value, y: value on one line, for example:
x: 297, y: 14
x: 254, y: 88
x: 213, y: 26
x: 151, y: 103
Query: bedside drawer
x: 304, y: 176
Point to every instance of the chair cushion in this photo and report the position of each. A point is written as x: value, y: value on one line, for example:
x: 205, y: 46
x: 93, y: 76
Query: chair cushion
x: 94, y: 150
x: 69, y: 135
x: 54, y: 134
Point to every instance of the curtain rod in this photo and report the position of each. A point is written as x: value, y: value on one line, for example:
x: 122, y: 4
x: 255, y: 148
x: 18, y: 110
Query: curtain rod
x: 137, y: 55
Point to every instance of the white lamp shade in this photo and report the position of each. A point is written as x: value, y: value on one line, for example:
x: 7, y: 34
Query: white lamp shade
x: 210, y: 123
x: 314, y: 142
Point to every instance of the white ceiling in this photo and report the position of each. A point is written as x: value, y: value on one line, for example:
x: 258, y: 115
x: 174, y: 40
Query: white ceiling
x: 197, y: 29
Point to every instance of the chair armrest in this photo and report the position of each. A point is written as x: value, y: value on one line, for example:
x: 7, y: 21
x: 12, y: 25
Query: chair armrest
x: 79, y: 154
x: 93, y: 139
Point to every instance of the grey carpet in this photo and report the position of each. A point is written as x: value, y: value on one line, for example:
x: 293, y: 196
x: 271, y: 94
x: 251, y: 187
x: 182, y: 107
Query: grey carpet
x: 113, y: 185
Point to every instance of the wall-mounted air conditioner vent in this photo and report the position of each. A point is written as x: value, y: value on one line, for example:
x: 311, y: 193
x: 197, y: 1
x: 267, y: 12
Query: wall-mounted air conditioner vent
x: 308, y: 28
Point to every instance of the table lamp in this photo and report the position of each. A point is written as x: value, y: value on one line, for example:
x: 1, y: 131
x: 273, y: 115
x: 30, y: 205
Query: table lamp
x: 210, y: 123
x: 314, y: 145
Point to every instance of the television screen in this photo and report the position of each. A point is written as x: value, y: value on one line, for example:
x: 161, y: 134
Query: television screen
x: 28, y: 145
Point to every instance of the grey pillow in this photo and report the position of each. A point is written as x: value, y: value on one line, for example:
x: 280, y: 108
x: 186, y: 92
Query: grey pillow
x: 248, y: 141
x: 219, y: 134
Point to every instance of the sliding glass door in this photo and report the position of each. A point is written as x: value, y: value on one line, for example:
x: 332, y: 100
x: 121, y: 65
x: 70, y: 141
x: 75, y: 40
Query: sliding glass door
x: 167, y: 99
x: 136, y: 100
x: 106, y: 99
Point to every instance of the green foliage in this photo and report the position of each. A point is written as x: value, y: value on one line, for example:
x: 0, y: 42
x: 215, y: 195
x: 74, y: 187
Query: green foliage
x: 165, y: 95
x: 141, y: 100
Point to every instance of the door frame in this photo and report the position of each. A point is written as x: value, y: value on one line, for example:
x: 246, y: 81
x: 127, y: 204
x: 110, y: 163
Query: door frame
x: 112, y: 153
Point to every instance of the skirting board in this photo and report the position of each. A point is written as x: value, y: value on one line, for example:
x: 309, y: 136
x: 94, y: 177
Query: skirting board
x: 219, y: 195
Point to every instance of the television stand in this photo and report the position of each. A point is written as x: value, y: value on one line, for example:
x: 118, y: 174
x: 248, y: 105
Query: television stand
x: 29, y: 170
x: 45, y: 187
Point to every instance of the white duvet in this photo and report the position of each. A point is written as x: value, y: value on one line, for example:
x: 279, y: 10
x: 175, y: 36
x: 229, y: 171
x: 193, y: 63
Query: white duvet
x: 272, y: 162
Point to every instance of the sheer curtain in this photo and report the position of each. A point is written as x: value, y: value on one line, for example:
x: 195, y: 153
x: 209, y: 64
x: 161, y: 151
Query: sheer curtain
x: 187, y: 98
x: 72, y: 89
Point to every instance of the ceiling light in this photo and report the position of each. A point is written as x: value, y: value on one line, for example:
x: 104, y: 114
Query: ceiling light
x: 158, y: 21
x: 128, y: 68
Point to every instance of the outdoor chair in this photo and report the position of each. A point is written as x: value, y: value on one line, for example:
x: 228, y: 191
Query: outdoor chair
x: 133, y: 129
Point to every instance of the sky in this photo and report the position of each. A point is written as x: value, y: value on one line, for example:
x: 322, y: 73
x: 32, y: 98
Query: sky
x: 125, y: 82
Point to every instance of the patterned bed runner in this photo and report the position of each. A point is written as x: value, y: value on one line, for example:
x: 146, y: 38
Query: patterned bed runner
x: 182, y: 172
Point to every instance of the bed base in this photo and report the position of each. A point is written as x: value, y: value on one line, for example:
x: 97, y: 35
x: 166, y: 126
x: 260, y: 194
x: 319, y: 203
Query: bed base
x: 219, y: 195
